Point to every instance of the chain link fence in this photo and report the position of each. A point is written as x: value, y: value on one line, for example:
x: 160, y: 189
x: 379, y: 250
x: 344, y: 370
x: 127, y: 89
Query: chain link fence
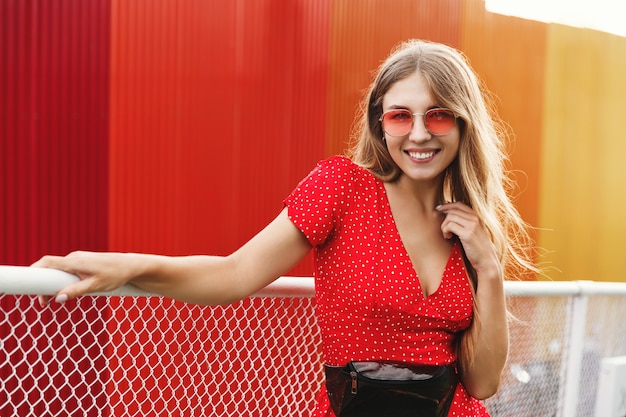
x: 149, y: 356
x: 542, y: 347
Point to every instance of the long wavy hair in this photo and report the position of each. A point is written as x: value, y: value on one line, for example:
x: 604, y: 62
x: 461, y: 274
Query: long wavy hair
x: 477, y: 177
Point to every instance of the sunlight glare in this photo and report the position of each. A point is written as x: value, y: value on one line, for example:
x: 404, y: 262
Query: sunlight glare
x: 603, y: 15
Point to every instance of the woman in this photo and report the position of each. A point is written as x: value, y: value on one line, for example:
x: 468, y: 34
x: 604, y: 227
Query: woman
x: 412, y: 235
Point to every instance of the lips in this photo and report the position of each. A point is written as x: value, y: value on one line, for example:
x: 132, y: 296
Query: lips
x: 421, y: 155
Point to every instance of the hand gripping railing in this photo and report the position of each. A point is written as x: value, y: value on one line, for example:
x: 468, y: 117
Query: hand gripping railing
x: 21, y: 280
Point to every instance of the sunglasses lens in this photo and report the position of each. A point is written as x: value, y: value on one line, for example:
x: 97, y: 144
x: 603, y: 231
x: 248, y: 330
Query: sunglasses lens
x: 397, y: 122
x: 439, y: 121
x: 400, y: 122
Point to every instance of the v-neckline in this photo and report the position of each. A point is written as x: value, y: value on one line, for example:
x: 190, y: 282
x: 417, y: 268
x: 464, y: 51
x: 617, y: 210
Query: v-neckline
x: 392, y: 221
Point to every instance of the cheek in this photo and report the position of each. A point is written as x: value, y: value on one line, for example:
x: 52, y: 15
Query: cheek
x: 456, y: 148
x: 393, y: 146
x: 454, y: 144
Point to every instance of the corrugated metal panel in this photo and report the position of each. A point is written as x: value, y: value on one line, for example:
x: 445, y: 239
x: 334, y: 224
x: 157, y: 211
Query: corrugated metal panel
x: 509, y: 56
x: 583, y: 189
x: 54, y: 128
x: 508, y: 53
x: 53, y: 170
x: 217, y: 112
x: 363, y: 34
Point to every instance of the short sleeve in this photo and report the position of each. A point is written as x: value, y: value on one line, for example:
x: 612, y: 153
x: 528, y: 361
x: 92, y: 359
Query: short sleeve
x: 318, y: 203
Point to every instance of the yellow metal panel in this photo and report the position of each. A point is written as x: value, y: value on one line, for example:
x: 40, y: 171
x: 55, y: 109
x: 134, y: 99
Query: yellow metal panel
x: 583, y: 189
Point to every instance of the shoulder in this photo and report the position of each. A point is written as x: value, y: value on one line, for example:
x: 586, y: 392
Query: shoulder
x: 342, y: 168
x: 337, y: 163
x: 334, y: 180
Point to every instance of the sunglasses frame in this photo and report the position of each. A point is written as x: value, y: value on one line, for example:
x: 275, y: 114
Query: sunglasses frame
x: 423, y: 120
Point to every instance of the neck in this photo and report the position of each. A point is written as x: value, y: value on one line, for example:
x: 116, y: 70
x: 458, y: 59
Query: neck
x: 424, y: 194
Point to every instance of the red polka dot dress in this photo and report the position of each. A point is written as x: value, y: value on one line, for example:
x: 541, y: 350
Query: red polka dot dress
x: 369, y: 302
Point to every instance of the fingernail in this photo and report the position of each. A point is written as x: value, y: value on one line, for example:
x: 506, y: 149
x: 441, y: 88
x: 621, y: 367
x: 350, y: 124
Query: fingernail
x: 61, y: 298
x: 438, y: 207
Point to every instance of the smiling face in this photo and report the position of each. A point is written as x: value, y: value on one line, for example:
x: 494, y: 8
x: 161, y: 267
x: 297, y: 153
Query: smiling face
x: 420, y: 155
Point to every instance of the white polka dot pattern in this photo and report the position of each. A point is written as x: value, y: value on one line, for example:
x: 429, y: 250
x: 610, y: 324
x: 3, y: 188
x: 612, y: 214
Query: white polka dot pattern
x: 369, y: 302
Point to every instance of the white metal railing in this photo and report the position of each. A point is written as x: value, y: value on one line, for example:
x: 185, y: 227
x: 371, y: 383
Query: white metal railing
x: 33, y: 281
x: 15, y: 280
x: 21, y: 280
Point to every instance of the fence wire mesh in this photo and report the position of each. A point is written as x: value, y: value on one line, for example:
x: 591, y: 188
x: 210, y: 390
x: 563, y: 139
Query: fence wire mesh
x: 537, y: 369
x: 149, y: 356
x: 138, y: 356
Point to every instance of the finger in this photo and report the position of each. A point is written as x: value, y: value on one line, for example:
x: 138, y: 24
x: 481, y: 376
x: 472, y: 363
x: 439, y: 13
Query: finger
x: 43, y: 262
x: 457, y: 221
x: 53, y: 262
x: 69, y: 264
x: 49, y: 261
x: 467, y: 229
x: 446, y: 207
x: 43, y: 300
x: 450, y: 229
x: 82, y: 287
x: 460, y: 215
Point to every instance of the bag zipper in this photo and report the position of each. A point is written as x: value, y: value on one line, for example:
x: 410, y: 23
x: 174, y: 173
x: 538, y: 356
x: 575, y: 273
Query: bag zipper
x: 353, y: 376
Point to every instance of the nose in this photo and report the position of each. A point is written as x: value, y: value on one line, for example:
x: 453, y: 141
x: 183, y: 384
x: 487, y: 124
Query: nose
x: 418, y: 132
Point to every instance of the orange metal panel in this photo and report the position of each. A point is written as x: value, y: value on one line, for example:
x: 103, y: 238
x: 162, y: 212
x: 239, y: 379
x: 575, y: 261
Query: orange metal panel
x: 508, y: 53
x: 363, y: 34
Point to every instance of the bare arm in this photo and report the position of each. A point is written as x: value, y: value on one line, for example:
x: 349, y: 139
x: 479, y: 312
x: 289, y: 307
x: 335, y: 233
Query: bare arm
x: 481, y: 378
x: 206, y: 280
x: 490, y: 334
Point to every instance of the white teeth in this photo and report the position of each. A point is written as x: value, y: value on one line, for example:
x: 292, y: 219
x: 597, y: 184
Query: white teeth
x: 421, y: 155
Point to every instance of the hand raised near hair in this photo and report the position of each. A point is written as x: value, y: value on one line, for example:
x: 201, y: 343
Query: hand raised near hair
x: 462, y: 221
x: 97, y: 272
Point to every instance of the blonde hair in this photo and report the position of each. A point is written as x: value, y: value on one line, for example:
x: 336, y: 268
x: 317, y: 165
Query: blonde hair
x: 477, y: 177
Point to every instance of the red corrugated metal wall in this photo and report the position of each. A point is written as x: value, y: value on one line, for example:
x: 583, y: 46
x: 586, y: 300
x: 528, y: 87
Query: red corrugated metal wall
x: 54, y: 140
x: 55, y: 73
x: 218, y: 109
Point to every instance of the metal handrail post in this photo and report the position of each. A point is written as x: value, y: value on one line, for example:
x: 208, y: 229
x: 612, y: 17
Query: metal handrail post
x: 571, y: 366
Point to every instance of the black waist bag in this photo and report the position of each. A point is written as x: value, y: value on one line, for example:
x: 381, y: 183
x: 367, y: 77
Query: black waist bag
x: 381, y: 389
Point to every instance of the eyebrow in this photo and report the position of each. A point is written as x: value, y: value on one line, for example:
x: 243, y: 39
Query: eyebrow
x: 400, y: 107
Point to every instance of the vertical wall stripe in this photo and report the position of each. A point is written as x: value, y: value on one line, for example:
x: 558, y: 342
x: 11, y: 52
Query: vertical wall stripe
x: 217, y: 111
x: 362, y: 35
x: 583, y: 188
x: 53, y: 171
x: 508, y: 54
x: 54, y: 128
